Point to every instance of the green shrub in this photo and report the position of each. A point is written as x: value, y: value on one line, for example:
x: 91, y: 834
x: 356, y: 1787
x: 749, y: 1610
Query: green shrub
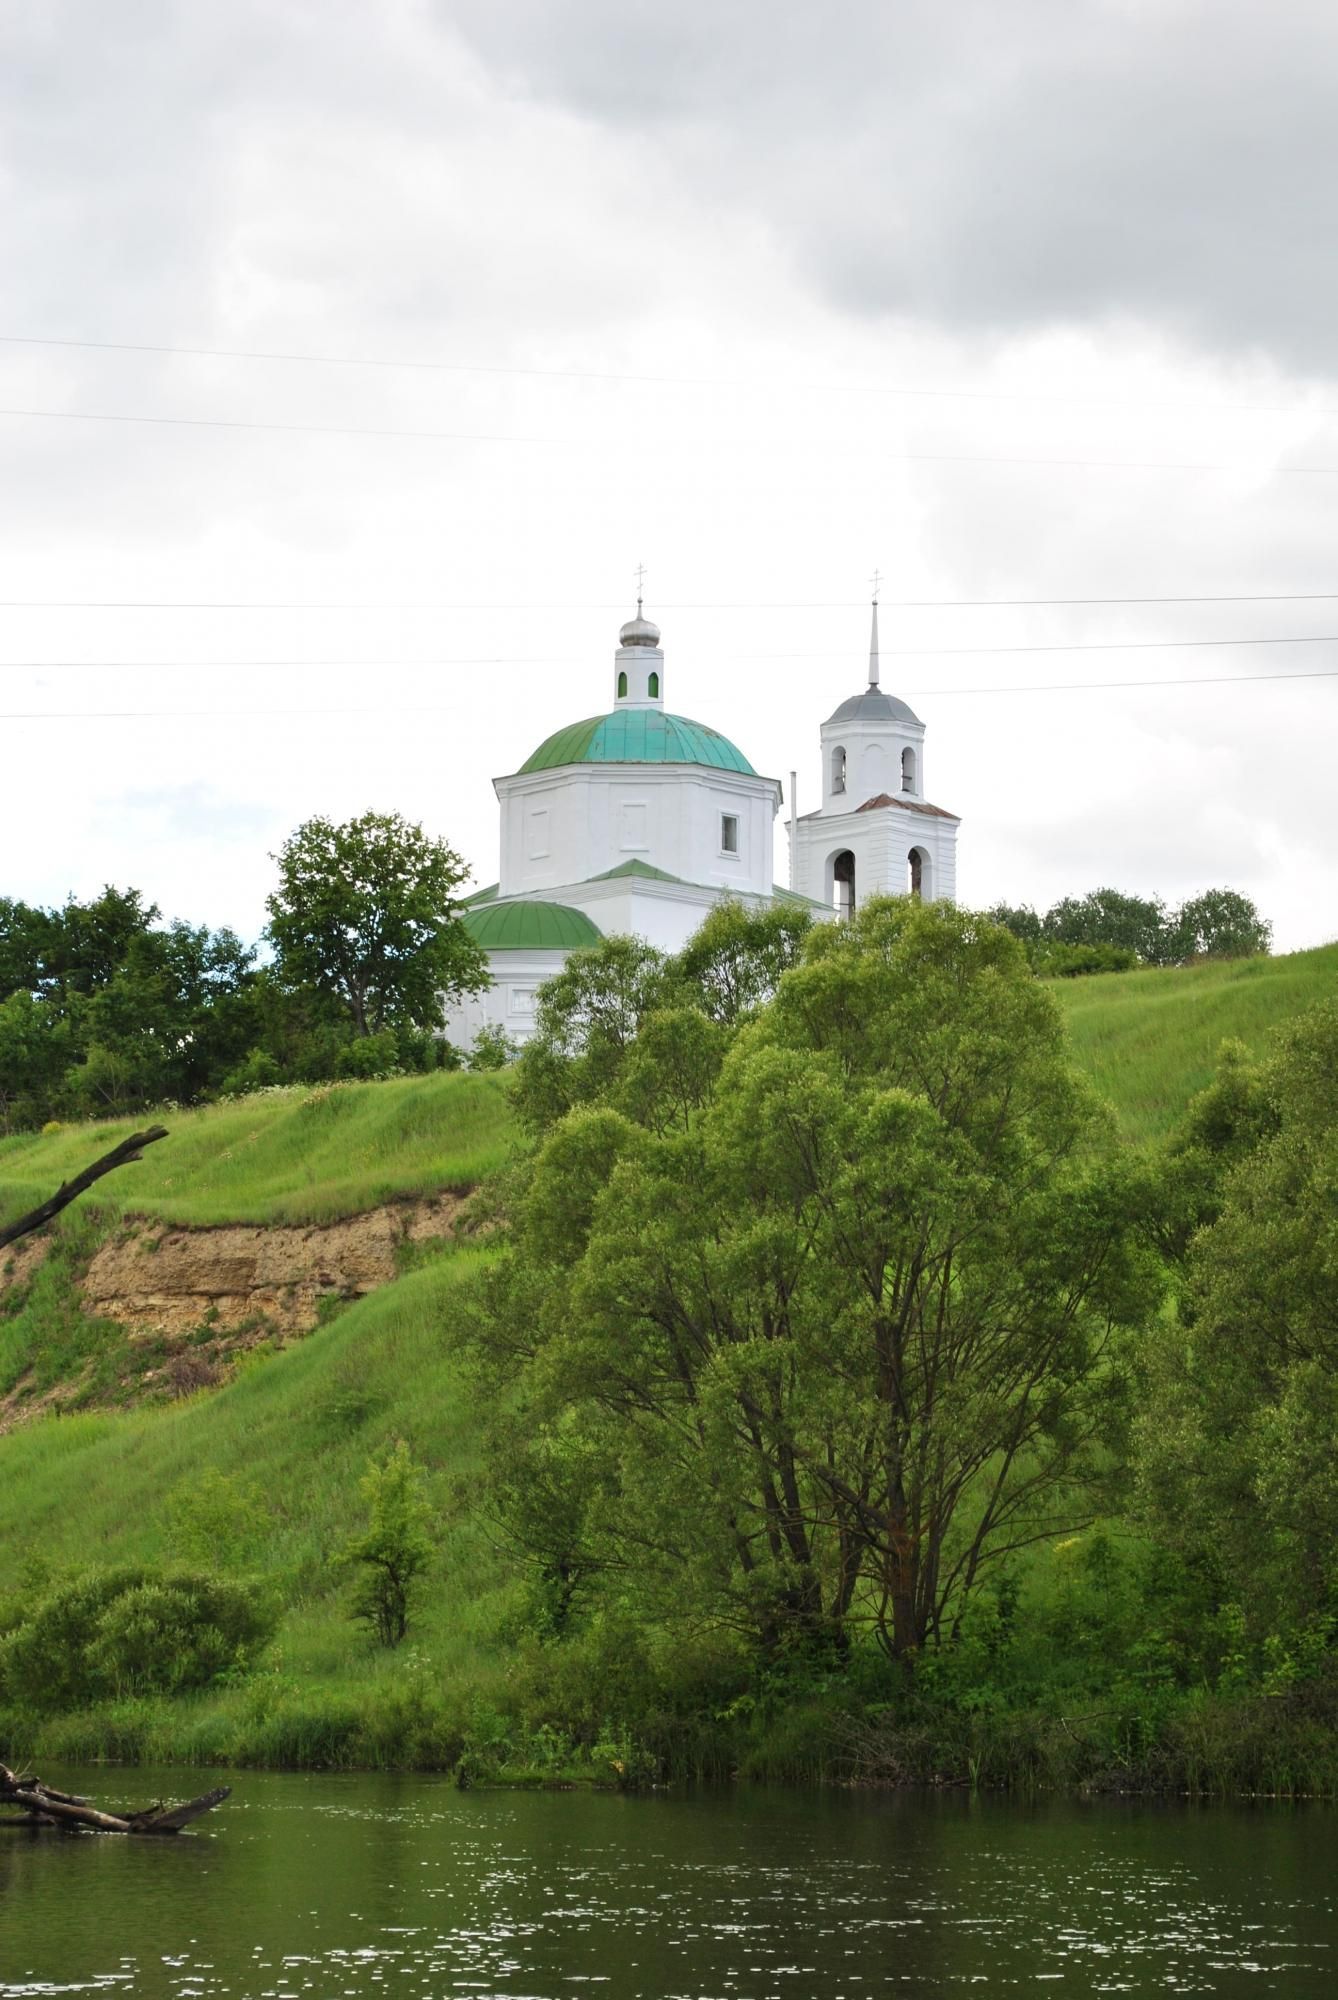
x: 114, y: 1633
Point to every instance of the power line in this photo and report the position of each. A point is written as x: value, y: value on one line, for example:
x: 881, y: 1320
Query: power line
x: 831, y: 604
x: 401, y: 709
x: 579, y: 659
x: 425, y: 365
x: 619, y: 445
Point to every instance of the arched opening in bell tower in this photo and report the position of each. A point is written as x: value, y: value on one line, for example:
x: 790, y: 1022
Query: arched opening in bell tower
x: 838, y: 769
x: 918, y: 873
x: 843, y: 884
x: 908, y: 770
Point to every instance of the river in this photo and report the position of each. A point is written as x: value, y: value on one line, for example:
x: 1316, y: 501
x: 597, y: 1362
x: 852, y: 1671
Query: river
x: 341, y: 1887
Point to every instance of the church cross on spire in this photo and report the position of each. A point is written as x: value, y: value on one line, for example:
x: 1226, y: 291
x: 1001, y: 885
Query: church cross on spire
x: 640, y: 585
x: 876, y: 580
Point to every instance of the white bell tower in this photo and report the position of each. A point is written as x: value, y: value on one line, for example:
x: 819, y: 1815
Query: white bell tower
x: 876, y: 833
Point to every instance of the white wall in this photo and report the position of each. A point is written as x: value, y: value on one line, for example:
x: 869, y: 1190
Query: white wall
x: 509, y: 1002
x: 880, y: 842
x: 566, y: 825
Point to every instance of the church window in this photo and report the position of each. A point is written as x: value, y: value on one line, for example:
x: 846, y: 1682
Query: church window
x: 538, y: 843
x: 838, y: 769
x: 653, y: 687
x: 917, y: 874
x: 908, y: 770
x: 729, y: 833
x: 622, y: 685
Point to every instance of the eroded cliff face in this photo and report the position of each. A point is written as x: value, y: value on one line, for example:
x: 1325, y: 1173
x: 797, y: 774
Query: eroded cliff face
x: 167, y: 1310
x: 160, y: 1280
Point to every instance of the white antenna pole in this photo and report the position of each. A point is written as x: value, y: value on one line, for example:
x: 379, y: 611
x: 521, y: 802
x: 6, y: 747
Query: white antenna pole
x: 794, y: 828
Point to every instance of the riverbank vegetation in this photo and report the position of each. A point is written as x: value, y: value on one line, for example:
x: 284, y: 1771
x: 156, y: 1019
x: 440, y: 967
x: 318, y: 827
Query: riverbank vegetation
x: 832, y: 1391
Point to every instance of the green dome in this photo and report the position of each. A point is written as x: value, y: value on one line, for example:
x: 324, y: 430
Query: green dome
x: 528, y: 927
x: 638, y: 736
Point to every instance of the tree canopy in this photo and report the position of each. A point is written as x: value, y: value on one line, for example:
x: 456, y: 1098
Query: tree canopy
x: 364, y: 912
x: 844, y: 1330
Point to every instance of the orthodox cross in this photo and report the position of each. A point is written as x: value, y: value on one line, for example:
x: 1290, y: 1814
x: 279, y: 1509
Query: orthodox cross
x: 640, y: 581
x: 876, y: 580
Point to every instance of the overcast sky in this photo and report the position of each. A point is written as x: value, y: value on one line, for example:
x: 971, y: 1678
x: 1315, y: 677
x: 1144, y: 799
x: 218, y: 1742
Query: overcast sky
x: 1024, y: 302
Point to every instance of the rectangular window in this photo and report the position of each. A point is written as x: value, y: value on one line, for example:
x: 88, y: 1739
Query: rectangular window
x: 729, y: 833
x: 522, y: 1000
x: 538, y: 846
x: 634, y: 827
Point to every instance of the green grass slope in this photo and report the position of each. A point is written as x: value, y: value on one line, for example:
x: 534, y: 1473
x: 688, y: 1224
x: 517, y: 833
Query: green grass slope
x: 291, y: 1435
x: 1148, y: 1041
x: 297, y: 1155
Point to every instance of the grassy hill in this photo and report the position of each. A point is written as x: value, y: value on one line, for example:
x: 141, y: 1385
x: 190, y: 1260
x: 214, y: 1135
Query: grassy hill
x: 296, y: 1155
x: 281, y: 1446
x: 1149, y: 1040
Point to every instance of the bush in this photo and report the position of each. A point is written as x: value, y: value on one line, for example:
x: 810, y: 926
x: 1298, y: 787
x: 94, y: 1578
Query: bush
x: 132, y: 1631
x: 260, y: 1071
x: 370, y: 1058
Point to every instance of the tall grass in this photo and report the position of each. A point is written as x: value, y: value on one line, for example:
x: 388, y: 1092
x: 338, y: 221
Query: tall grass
x: 1148, y: 1041
x: 306, y: 1154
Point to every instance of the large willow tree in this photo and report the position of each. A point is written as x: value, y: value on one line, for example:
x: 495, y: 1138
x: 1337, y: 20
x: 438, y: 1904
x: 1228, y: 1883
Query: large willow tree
x: 824, y: 1304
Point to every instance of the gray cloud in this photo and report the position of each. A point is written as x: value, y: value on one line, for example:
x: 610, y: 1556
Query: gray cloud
x: 992, y: 167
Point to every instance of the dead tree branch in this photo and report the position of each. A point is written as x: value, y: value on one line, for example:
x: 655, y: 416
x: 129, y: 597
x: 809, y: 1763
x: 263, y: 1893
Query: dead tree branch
x: 120, y: 1156
x: 43, y: 1805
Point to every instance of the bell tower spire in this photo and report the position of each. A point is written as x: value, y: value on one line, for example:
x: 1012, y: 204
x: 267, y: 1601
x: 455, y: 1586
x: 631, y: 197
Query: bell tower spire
x: 876, y: 580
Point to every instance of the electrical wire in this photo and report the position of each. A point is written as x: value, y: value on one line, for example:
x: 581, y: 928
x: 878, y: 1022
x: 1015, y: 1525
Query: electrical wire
x: 935, y: 391
x: 833, y: 604
x: 578, y: 659
x: 749, y: 446
x: 392, y: 712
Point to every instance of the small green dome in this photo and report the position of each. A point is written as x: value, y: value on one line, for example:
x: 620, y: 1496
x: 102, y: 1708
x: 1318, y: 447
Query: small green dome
x: 528, y: 927
x: 638, y: 736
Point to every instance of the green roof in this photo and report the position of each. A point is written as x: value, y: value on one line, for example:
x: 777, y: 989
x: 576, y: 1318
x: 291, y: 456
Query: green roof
x: 529, y: 927
x: 638, y: 736
x: 784, y: 895
x: 645, y: 873
x: 488, y: 895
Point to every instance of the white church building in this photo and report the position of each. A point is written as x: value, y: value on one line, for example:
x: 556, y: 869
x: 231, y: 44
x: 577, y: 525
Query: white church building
x: 640, y: 821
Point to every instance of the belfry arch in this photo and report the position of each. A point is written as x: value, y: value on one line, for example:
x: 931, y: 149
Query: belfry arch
x: 841, y: 883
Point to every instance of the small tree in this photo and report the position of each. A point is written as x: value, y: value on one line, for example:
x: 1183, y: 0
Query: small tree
x: 394, y: 1549
x: 364, y: 913
x: 1221, y: 923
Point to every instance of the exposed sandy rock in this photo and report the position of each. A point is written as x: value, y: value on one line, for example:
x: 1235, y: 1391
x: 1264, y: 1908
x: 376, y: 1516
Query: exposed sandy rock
x: 18, y: 1263
x: 156, y: 1279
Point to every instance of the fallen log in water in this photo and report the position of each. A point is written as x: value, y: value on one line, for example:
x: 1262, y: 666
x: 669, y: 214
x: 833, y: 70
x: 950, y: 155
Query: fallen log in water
x: 43, y: 1805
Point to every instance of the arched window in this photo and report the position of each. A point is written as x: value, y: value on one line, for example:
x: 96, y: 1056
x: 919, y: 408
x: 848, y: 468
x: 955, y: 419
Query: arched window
x: 653, y: 687
x: 838, y: 769
x: 919, y: 873
x: 908, y: 770
x: 622, y: 685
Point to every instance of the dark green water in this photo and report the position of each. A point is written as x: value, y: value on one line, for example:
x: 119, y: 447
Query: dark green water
x: 344, y: 1887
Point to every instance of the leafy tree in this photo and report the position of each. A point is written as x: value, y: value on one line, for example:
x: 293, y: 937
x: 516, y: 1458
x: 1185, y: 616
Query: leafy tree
x: 587, y: 1021
x: 1020, y: 919
x: 36, y: 1046
x: 1236, y: 1444
x: 1105, y: 916
x: 734, y: 962
x: 492, y: 1049
x: 364, y: 912
x: 1221, y: 923
x: 844, y: 1336
x: 393, y: 1550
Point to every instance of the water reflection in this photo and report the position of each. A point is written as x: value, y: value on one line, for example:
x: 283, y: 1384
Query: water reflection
x: 357, y: 1886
